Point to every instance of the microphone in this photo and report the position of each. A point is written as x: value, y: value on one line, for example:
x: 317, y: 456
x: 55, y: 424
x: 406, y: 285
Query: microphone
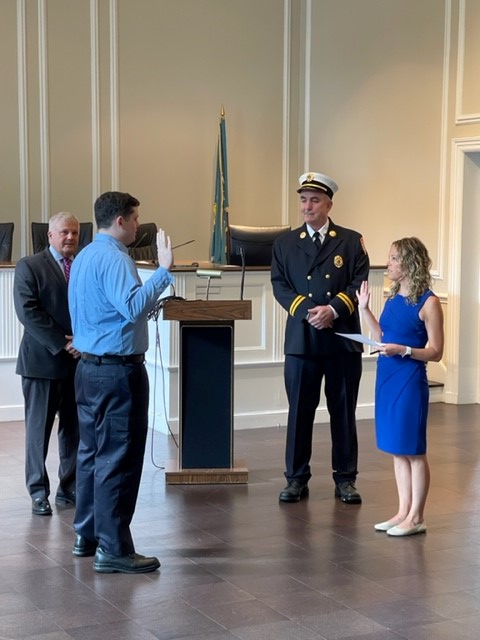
x: 133, y: 246
x: 183, y: 244
x: 242, y: 281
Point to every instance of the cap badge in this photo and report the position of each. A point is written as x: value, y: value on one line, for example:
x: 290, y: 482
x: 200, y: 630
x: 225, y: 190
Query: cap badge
x: 338, y: 261
x: 303, y: 235
x: 310, y: 177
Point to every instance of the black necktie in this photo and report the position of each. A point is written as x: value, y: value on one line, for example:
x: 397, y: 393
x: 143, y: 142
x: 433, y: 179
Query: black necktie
x: 316, y: 239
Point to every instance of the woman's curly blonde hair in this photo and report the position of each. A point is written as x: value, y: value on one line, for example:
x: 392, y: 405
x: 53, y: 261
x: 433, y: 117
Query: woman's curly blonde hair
x: 416, y: 264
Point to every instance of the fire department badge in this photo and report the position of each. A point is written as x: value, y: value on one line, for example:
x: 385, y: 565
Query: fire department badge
x: 338, y: 261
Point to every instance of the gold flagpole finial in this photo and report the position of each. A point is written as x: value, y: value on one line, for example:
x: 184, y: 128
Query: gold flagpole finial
x: 222, y: 112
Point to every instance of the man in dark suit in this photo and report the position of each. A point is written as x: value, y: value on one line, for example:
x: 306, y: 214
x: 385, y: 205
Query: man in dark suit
x: 47, y: 362
x: 316, y: 270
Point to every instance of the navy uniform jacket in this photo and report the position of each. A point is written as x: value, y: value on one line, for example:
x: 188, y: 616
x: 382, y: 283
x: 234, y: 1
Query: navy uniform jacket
x: 41, y: 303
x: 304, y: 277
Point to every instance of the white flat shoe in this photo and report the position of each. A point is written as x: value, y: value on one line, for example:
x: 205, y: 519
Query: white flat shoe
x: 383, y: 526
x: 397, y: 531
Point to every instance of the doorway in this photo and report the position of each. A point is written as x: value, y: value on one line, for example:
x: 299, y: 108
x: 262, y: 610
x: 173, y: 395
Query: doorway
x: 463, y: 322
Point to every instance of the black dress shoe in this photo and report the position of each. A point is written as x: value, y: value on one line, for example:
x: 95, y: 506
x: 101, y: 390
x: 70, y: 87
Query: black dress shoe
x: 41, y: 507
x: 347, y: 492
x: 82, y: 548
x: 294, y: 491
x: 65, y: 498
x: 131, y: 563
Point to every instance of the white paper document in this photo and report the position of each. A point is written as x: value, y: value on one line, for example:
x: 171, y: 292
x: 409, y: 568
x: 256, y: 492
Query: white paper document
x: 358, y: 337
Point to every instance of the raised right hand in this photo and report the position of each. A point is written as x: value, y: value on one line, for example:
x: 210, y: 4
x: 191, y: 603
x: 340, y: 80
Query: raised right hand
x: 164, y: 250
x: 363, y: 295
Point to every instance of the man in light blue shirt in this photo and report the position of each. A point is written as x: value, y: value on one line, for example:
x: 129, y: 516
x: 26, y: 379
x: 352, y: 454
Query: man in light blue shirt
x: 109, y: 307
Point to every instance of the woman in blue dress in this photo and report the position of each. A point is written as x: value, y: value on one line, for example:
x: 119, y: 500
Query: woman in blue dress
x: 411, y: 332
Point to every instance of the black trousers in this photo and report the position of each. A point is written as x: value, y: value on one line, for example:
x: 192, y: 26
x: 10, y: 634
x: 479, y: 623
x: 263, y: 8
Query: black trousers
x: 112, y: 405
x: 303, y: 378
x: 43, y: 400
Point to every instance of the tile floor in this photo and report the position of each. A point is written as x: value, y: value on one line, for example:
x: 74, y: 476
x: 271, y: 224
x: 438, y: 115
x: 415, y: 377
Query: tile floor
x: 237, y: 564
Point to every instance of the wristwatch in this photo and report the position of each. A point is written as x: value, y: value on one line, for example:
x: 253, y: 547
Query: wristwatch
x: 408, y: 352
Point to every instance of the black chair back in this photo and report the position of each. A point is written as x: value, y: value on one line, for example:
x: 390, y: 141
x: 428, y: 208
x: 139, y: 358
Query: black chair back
x: 6, y: 241
x: 144, y: 246
x: 255, y: 242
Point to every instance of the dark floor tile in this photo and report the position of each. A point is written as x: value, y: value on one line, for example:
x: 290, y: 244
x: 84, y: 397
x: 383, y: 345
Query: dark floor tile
x: 241, y: 614
x: 297, y: 604
x: 25, y: 625
x: 462, y: 629
x: 341, y: 624
x: 177, y: 619
x: 81, y: 614
x: 384, y: 634
x: 400, y: 614
x: 13, y: 602
x: 128, y: 630
x: 453, y: 605
x: 284, y: 630
x: 362, y: 592
x: 219, y: 592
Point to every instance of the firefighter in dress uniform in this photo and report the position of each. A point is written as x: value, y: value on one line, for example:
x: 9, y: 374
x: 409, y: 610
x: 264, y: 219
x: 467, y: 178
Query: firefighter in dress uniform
x: 316, y: 271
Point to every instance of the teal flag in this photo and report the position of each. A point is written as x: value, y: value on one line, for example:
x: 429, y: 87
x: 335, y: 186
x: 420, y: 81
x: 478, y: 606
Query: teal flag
x: 220, y: 205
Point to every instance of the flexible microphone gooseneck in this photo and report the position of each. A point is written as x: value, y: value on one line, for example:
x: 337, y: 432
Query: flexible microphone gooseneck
x: 242, y: 281
x: 183, y: 244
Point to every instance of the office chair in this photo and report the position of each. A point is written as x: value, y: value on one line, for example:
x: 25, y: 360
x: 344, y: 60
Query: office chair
x: 255, y: 242
x: 144, y: 246
x: 40, y: 235
x: 6, y: 241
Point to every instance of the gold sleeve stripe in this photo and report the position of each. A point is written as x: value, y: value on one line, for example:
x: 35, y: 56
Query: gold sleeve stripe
x: 346, y: 300
x: 293, y: 307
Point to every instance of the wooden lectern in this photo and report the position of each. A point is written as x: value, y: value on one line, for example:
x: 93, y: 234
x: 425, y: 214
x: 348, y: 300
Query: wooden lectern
x: 206, y: 390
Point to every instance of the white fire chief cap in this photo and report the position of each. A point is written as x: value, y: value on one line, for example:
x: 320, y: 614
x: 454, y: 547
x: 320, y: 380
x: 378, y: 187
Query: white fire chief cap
x: 318, y: 182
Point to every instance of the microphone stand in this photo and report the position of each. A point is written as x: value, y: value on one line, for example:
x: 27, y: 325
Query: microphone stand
x: 138, y: 241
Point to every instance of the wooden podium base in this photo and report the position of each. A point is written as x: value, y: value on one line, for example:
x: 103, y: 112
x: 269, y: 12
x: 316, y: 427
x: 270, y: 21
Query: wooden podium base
x: 236, y: 475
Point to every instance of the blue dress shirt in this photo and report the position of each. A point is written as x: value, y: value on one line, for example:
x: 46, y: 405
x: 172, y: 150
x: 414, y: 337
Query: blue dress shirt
x: 108, y: 302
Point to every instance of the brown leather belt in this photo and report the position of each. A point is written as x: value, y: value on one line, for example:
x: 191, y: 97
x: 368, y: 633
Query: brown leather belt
x: 136, y: 358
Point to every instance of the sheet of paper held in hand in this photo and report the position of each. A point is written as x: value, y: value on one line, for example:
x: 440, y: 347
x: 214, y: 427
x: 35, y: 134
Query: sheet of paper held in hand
x: 358, y: 337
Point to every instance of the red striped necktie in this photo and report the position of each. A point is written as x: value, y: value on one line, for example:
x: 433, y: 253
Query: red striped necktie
x: 67, y: 263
